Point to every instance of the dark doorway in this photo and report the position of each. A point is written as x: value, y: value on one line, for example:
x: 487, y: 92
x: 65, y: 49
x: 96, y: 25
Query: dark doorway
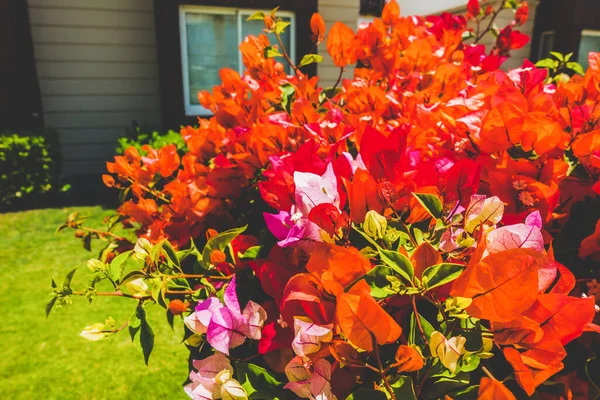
x: 20, y: 100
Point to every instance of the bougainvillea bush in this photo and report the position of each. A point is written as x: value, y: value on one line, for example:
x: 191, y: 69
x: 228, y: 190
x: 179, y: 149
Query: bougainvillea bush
x: 394, y: 236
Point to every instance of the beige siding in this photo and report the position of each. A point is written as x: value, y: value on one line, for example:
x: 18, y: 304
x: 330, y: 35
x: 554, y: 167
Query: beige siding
x: 98, y: 72
x: 345, y: 11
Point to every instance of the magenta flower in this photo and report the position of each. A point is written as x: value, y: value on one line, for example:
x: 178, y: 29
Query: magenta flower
x: 227, y: 326
x: 198, y: 321
x: 294, y: 227
x: 527, y: 235
x: 291, y: 229
x: 312, y: 190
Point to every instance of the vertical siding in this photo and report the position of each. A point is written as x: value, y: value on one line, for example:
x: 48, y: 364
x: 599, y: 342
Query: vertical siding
x: 96, y: 62
x: 345, y: 11
x: 427, y: 7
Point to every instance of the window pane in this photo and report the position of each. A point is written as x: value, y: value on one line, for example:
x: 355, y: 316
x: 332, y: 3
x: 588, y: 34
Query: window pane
x: 590, y: 42
x: 546, y: 45
x: 256, y: 27
x: 212, y: 44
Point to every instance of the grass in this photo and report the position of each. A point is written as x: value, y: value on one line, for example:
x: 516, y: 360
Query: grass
x: 46, y: 357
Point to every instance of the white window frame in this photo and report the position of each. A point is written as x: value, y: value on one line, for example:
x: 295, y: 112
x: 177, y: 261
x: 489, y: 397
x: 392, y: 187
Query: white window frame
x: 586, y: 33
x: 196, y: 109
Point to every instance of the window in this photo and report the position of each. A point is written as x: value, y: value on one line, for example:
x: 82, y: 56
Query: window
x: 546, y: 45
x: 590, y: 43
x: 210, y: 38
x: 371, y: 7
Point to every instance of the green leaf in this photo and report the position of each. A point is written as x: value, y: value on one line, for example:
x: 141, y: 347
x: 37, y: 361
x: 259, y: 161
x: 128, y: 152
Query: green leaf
x: 171, y: 254
x: 367, y: 394
x: 179, y: 283
x: 259, y: 383
x: 310, y: 59
x: 50, y: 305
x: 156, y: 290
x: 377, y: 280
x: 446, y: 382
x: 271, y: 52
x: 69, y: 277
x: 256, y: 16
x: 280, y: 26
x: 469, y: 362
x: 87, y: 242
x: 287, y: 95
x: 120, y: 259
x: 220, y: 242
x: 440, y: 274
x: 414, y: 336
x: 574, y: 66
x: 73, y: 216
x: 546, y: 63
x: 141, y: 331
x: 132, y: 276
x: 403, y: 388
x: 251, y: 253
x: 398, y: 262
x: 431, y: 203
x: 558, y: 56
x: 470, y: 393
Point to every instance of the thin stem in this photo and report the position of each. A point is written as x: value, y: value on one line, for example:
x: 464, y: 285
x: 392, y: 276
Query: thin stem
x: 104, y: 233
x: 488, y: 28
x: 180, y: 291
x: 115, y: 294
x: 154, y: 193
x: 339, y: 79
x: 118, y: 329
x: 423, y: 379
x: 418, y: 319
x: 285, y: 53
x: 488, y: 373
x: 200, y: 276
x: 381, y: 370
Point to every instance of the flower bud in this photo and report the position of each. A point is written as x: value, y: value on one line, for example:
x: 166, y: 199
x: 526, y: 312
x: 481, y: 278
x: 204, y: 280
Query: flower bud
x: 223, y: 376
x: 178, y: 307
x: 232, y: 390
x: 375, y: 225
x: 269, y: 22
x: 95, y: 265
x: 142, y: 249
x: 138, y: 286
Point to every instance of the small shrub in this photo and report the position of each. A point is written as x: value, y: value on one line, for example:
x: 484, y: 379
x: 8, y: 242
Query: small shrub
x: 29, y: 170
x: 138, y: 137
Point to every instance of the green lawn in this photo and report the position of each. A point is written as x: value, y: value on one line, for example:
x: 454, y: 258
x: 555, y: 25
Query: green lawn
x: 46, y: 358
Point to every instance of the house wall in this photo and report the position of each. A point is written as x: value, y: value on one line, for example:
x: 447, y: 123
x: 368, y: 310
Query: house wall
x: 345, y: 11
x: 428, y: 7
x: 96, y: 62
